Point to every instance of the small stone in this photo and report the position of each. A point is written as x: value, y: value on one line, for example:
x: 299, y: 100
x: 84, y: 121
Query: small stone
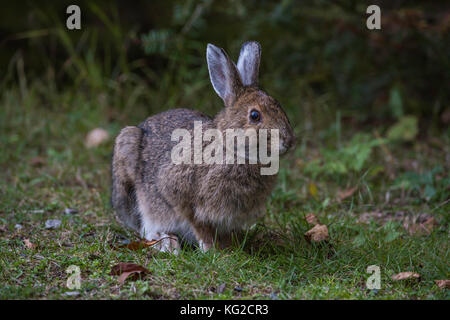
x: 52, y: 224
x: 96, y: 137
x: 72, y: 293
x: 70, y: 211
x: 273, y: 296
x: 18, y: 226
x: 443, y: 284
x: 238, y: 289
x: 221, y: 288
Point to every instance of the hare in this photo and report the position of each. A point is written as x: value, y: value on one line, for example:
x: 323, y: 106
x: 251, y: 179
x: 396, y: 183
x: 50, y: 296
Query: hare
x: 203, y: 203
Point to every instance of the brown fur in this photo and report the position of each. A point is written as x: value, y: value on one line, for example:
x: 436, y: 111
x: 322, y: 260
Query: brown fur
x: 201, y: 202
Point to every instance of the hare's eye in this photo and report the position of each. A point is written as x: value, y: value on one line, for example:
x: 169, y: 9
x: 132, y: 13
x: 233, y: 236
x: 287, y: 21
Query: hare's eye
x: 255, y: 115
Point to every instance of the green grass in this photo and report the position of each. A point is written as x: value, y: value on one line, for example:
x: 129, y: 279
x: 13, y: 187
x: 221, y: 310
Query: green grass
x: 273, y: 261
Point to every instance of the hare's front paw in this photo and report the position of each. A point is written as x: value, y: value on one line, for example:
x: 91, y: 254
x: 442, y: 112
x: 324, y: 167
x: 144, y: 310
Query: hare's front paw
x: 167, y: 242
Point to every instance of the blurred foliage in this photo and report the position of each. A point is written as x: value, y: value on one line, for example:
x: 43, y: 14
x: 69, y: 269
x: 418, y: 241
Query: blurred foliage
x: 429, y: 185
x: 316, y: 53
x: 351, y: 157
x: 404, y: 130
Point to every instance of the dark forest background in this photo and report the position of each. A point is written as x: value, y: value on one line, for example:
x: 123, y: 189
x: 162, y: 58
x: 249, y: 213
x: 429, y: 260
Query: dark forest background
x: 311, y: 50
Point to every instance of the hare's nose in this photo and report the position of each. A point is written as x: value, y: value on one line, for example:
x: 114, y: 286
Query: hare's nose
x: 293, y: 141
x: 289, y: 142
x: 285, y: 145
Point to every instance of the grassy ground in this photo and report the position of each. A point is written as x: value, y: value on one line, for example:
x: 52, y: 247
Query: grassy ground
x: 45, y: 168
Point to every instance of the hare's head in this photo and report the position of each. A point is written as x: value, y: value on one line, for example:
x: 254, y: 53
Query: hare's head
x: 246, y: 106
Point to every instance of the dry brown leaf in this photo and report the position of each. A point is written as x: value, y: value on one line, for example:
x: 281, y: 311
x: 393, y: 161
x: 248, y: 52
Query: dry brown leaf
x: 29, y: 244
x: 312, y: 219
x: 405, y: 276
x: 300, y: 163
x: 3, y: 229
x: 125, y: 270
x: 313, y: 191
x: 425, y: 227
x: 96, y: 137
x: 318, y: 233
x: 139, y: 245
x: 443, y: 284
x: 344, y: 194
x: 37, y: 161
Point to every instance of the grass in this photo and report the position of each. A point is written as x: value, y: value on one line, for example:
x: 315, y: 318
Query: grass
x: 46, y: 168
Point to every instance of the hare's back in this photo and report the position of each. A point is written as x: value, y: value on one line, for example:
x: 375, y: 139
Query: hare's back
x: 157, y: 144
x: 163, y: 124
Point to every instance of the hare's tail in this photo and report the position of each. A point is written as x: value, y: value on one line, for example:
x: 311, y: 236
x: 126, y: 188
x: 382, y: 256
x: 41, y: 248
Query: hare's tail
x: 124, y: 173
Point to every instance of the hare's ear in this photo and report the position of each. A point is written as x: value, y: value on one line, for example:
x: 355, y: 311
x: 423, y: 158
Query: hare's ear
x: 248, y: 63
x: 223, y: 73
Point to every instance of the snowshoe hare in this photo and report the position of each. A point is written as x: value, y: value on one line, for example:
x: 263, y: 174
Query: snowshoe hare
x: 203, y: 202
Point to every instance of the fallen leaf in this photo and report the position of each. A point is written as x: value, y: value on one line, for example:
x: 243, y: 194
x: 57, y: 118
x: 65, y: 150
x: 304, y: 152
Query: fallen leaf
x: 3, y: 229
x: 139, y: 245
x: 405, y: 276
x: 425, y: 227
x: 313, y: 190
x: 318, y: 233
x: 344, y: 194
x: 429, y: 224
x: 96, y: 137
x: 37, y: 161
x: 125, y: 270
x: 29, y: 244
x: 443, y: 284
x: 312, y: 219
